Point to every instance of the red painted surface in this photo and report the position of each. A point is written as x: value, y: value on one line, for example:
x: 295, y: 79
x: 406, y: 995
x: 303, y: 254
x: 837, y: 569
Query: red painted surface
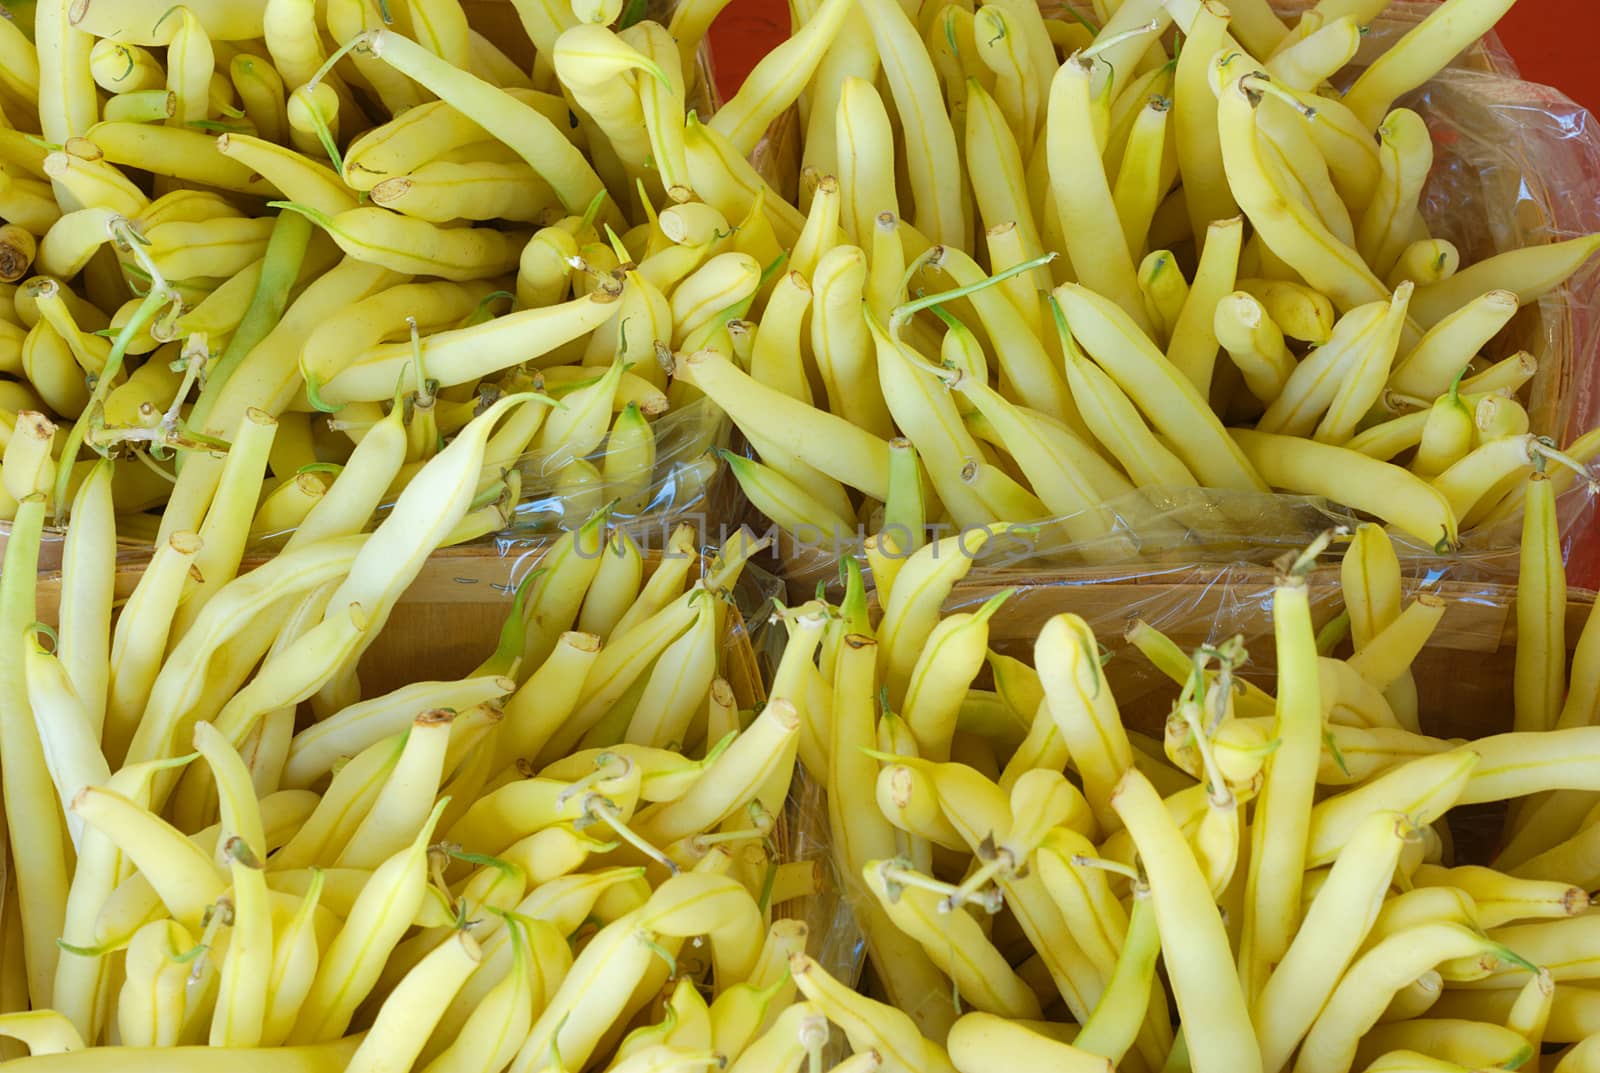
x: 1553, y: 41
x: 742, y: 34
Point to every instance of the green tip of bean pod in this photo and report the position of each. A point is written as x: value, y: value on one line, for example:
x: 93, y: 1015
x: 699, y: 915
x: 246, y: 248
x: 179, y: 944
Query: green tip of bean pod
x: 320, y: 467
x: 1520, y: 1059
x: 1511, y: 957
x: 1338, y: 756
x: 592, y: 211
x: 993, y: 604
x: 314, y: 396
x: 773, y: 268
x: 33, y: 631
x: 190, y: 954
x: 88, y: 951
x: 1083, y: 19
x: 948, y: 319
x: 164, y: 16
x: 481, y: 313
x: 907, y: 310
x: 719, y: 748
x: 316, y: 216
x: 768, y: 881
x: 663, y: 953
x: 482, y: 861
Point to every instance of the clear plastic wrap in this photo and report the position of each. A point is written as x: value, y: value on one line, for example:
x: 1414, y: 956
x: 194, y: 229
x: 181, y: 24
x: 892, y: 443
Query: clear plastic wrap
x: 689, y: 483
x: 836, y: 939
x: 1516, y: 164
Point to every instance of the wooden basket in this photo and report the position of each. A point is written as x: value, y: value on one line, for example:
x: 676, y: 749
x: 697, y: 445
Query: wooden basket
x: 449, y: 620
x: 1464, y: 676
x: 1518, y: 202
x: 498, y: 20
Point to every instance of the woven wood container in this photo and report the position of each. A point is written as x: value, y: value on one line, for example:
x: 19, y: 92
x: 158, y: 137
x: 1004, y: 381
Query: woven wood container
x: 1516, y: 165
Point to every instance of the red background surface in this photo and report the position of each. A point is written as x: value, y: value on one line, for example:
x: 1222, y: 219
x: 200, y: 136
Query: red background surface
x: 1553, y: 41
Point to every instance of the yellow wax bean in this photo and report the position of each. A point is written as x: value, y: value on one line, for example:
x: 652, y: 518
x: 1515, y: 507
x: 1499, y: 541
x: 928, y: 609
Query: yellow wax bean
x: 119, y: 67
x: 983, y: 1043
x: 834, y: 446
x: 535, y: 138
x: 1020, y: 352
x: 300, y: 178
x: 1100, y: 256
x: 430, y: 131
x: 1000, y: 185
x: 1255, y: 343
x: 1541, y: 612
x: 1168, y: 398
x: 1371, y: 984
x: 380, y: 237
x: 865, y: 153
x: 440, y: 192
x: 776, y: 81
x: 1425, y: 263
x: 1342, y: 911
x: 1192, y: 936
x: 68, y: 105
x: 1199, y: 147
x: 28, y: 203
x: 261, y: 92
x: 1423, y: 788
x: 96, y: 184
x: 217, y: 248
x: 142, y: 22
x: 1475, y: 483
x: 1290, y: 228
x: 1406, y: 157
x: 190, y: 64
x: 1318, y: 55
x: 1193, y: 349
x: 1428, y: 370
x: 1529, y: 273
x: 146, y: 106
x: 466, y: 355
x: 1362, y: 381
x: 726, y: 180
x: 1344, y: 476
x: 1165, y: 291
x: 1280, y: 830
x: 1421, y: 54
x: 932, y: 156
x: 353, y: 961
x: 187, y: 155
